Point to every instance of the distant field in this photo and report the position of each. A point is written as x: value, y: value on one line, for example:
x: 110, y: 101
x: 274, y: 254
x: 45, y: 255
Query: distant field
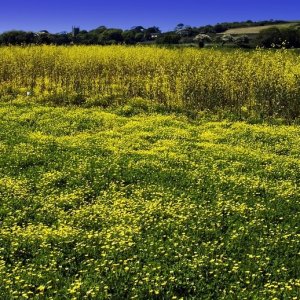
x: 257, y: 29
x: 96, y: 205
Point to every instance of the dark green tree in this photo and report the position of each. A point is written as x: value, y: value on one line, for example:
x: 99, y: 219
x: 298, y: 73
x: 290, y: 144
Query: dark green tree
x: 290, y: 37
x: 270, y: 37
x: 219, y: 28
x: 242, y: 41
x: 129, y: 37
x: 17, y: 37
x: 168, y: 38
x: 150, y: 32
x: 111, y: 36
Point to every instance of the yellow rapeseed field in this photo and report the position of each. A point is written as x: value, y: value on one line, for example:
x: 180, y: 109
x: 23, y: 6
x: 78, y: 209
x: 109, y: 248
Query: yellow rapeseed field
x: 264, y: 82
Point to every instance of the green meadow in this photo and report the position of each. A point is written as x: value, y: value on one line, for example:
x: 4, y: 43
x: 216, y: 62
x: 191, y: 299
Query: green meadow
x: 123, y: 204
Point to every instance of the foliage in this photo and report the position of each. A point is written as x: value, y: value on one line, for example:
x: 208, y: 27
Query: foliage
x: 95, y: 205
x: 201, y: 39
x: 99, y: 36
x: 168, y: 38
x: 257, y: 83
x: 110, y: 36
x: 137, y: 34
x: 227, y: 38
x: 222, y: 27
x: 242, y: 40
x: 17, y: 37
x: 276, y: 38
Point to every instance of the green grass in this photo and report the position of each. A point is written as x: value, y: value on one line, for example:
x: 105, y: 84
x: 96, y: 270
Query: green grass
x: 97, y: 204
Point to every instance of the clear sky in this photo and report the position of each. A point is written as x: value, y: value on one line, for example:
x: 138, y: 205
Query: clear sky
x: 60, y: 15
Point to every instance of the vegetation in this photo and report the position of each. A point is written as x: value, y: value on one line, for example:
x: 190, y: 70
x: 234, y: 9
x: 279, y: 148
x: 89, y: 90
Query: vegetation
x: 276, y: 37
x: 120, y: 177
x: 99, y: 36
x: 248, y: 84
x: 256, y: 29
x: 222, y: 27
x: 182, y: 34
x: 103, y: 205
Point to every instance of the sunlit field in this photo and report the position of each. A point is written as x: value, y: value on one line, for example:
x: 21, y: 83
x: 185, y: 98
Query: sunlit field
x: 262, y: 82
x: 98, y: 205
x: 121, y: 179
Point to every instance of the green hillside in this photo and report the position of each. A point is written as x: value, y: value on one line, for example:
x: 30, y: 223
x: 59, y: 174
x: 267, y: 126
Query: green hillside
x: 257, y: 29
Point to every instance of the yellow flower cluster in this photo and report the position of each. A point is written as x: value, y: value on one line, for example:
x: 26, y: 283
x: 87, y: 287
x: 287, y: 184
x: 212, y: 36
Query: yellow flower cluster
x: 260, y: 82
x: 96, y: 205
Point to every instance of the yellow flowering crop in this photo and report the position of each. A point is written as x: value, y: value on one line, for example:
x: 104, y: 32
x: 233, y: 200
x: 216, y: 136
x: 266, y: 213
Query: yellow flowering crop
x: 261, y: 82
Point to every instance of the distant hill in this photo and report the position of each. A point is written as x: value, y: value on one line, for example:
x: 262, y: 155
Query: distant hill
x: 257, y: 29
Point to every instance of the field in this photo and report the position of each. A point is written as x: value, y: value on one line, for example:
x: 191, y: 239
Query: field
x: 98, y: 205
x: 257, y: 29
x: 248, y: 84
x: 154, y: 176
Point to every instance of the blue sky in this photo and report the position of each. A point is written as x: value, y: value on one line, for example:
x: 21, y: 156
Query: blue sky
x: 60, y: 15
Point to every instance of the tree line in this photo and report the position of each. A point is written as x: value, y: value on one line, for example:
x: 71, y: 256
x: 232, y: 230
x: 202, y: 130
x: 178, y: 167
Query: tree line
x: 182, y: 34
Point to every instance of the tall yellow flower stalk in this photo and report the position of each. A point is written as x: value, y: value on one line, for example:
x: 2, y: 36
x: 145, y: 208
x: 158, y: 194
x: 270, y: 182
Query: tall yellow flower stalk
x: 265, y: 81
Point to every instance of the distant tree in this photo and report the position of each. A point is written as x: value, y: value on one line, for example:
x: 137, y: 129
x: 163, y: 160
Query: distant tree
x: 139, y: 34
x: 275, y: 37
x: 219, y: 28
x: 111, y: 36
x: 183, y: 30
x: 207, y: 29
x: 86, y: 38
x: 181, y: 34
x: 98, y: 30
x: 242, y: 41
x: 43, y: 37
x: 227, y: 38
x: 135, y: 35
x: 137, y: 28
x: 61, y: 39
x: 17, y: 37
x: 186, y: 40
x: 179, y: 27
x: 29, y: 37
x: 139, y: 37
x: 129, y: 37
x: 150, y: 32
x: 291, y: 37
x: 201, y: 39
x: 168, y: 38
x: 270, y: 37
